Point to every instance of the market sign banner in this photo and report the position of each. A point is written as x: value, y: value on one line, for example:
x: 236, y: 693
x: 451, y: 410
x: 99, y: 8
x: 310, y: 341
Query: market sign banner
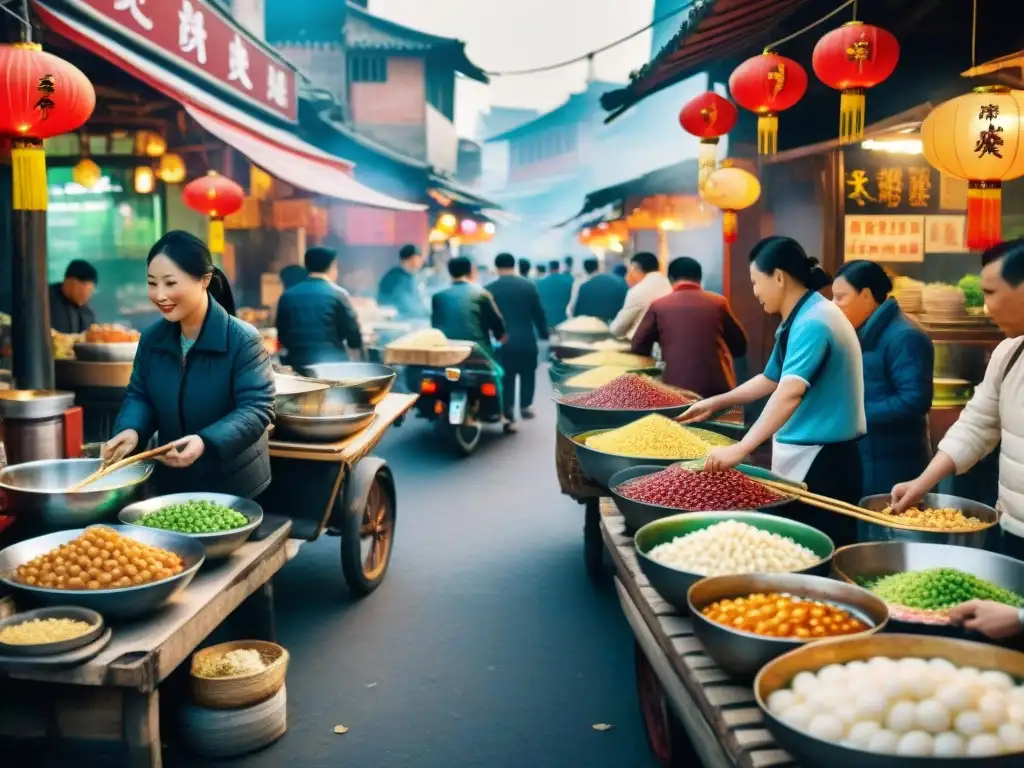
x: 886, y: 183
x: 194, y: 34
x: 945, y: 234
x: 884, y: 238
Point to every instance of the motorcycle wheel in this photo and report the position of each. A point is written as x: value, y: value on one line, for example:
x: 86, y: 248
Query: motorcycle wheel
x: 467, y: 437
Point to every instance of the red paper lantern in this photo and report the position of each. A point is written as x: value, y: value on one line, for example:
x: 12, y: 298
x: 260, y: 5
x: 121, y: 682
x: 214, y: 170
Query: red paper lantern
x: 851, y: 59
x: 217, y: 197
x: 41, y: 95
x: 708, y: 117
x: 768, y: 84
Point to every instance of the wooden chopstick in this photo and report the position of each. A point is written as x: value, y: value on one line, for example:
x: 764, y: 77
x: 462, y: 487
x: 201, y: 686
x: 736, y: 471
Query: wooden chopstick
x: 110, y: 468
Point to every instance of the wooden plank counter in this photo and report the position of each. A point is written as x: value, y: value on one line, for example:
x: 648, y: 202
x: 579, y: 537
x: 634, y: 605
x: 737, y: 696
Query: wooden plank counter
x: 720, y: 716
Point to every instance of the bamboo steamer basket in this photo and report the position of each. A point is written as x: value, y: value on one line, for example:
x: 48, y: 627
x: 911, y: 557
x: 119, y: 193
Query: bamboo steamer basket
x: 243, y: 690
x: 221, y: 733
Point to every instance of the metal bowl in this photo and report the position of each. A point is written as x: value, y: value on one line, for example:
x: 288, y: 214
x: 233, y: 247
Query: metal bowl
x: 600, y: 467
x: 123, y: 603
x: 35, y: 491
x: 811, y: 751
x: 860, y: 562
x: 63, y: 646
x: 742, y: 654
x: 979, y: 538
x: 565, y: 336
x: 673, y: 584
x: 218, y: 545
x: 639, y: 513
x: 326, y: 429
x: 369, y: 382
x: 573, y: 419
x: 109, y: 352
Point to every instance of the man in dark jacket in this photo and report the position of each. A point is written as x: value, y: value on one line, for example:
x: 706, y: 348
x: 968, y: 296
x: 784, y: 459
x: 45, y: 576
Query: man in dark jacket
x: 539, y: 272
x: 524, y: 268
x: 555, y: 292
x: 69, y: 300
x: 697, y: 332
x: 315, y: 319
x: 519, y: 303
x: 600, y: 294
x: 400, y: 289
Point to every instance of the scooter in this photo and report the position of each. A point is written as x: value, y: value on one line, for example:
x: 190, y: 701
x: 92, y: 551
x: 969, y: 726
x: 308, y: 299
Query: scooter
x: 462, y: 399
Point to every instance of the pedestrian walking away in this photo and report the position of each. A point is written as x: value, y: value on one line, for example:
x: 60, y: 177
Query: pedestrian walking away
x: 599, y: 294
x: 646, y: 285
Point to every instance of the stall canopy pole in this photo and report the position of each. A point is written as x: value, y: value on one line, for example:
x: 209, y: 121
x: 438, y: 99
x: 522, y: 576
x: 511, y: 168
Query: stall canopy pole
x: 31, y: 344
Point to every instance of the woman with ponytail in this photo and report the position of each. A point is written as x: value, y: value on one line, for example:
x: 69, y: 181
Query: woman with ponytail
x: 814, y: 381
x: 201, y: 379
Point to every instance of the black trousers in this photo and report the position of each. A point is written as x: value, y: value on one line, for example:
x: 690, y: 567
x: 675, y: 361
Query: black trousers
x: 522, y: 366
x: 837, y: 473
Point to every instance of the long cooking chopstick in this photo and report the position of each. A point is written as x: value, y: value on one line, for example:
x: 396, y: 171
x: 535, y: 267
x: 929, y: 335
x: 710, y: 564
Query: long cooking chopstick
x: 110, y: 468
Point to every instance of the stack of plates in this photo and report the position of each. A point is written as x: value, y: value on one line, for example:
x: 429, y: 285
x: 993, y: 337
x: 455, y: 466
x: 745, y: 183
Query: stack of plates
x: 909, y: 298
x: 943, y: 302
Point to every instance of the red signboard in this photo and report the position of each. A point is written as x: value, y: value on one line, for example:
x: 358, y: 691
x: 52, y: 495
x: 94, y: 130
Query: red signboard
x: 193, y: 33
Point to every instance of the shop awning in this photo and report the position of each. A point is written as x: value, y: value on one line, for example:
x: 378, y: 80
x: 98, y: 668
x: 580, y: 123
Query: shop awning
x: 676, y: 179
x: 278, y: 151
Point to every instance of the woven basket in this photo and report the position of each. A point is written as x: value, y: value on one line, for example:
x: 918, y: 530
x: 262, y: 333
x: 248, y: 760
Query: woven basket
x: 571, y: 479
x: 245, y: 690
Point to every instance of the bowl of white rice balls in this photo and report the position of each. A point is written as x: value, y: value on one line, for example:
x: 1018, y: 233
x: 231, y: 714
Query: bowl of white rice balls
x: 896, y: 701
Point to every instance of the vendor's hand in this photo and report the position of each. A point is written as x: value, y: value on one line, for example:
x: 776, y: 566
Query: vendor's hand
x: 994, y: 620
x: 699, y: 411
x: 185, y: 453
x: 720, y: 459
x: 119, y: 446
x: 905, y: 495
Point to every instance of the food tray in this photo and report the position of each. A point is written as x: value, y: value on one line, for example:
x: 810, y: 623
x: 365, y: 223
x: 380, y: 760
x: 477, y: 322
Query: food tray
x: 61, y: 647
x: 69, y: 659
x: 453, y: 354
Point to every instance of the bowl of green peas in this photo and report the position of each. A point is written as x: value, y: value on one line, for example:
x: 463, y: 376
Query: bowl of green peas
x: 221, y: 522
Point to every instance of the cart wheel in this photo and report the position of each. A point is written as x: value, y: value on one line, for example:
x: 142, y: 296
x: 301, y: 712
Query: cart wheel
x: 593, y: 545
x: 467, y: 437
x: 665, y: 734
x: 367, y: 537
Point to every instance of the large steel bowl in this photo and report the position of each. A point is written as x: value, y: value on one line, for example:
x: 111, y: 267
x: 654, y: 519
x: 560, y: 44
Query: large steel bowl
x: 810, y: 751
x: 218, y: 545
x: 673, y: 584
x: 600, y: 467
x: 325, y: 429
x: 639, y: 513
x: 37, y: 492
x: 368, y: 383
x: 980, y: 538
x: 859, y: 563
x: 742, y: 654
x: 124, y: 603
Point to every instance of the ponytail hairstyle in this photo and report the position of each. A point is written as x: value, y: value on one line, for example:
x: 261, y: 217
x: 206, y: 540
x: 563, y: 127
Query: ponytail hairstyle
x: 192, y: 256
x: 863, y: 274
x: 787, y: 255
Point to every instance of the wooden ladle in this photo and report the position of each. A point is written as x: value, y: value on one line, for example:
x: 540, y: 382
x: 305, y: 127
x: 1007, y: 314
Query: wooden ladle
x: 110, y: 468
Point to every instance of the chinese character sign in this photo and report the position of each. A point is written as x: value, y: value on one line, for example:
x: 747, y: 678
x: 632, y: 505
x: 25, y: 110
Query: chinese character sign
x: 884, y: 238
x: 896, y: 187
x: 945, y: 234
x: 195, y: 34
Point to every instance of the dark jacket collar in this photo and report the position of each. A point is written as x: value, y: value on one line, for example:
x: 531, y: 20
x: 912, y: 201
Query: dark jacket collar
x: 873, y: 328
x: 213, y: 336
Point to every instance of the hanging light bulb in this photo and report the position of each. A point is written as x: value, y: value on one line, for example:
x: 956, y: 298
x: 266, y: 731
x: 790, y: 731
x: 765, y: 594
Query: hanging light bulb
x: 171, y: 169
x: 150, y: 144
x: 86, y: 173
x: 145, y: 180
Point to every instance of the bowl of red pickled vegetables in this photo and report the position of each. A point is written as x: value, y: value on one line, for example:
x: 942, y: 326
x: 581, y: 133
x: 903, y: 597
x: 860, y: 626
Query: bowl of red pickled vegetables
x: 619, y: 402
x: 647, y: 492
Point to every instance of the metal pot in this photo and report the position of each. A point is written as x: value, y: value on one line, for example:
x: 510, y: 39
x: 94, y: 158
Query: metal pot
x: 325, y: 429
x: 35, y: 492
x: 369, y: 383
x: 867, y: 532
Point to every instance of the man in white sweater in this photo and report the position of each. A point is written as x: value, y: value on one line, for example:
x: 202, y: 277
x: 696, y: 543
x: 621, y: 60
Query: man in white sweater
x: 995, y: 415
x: 646, y: 285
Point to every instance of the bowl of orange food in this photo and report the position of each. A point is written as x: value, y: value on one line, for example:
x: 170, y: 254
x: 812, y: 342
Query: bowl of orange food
x: 108, y: 344
x: 745, y: 621
x: 120, y: 571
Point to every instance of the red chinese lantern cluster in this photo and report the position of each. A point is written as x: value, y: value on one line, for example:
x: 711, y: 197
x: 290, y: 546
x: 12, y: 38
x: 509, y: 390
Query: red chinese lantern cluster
x: 42, y: 95
x: 708, y: 117
x: 766, y: 85
x: 215, y: 196
x: 851, y: 59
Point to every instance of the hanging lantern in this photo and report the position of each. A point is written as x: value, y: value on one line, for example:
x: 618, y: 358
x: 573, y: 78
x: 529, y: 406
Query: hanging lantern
x: 708, y: 117
x: 978, y: 137
x: 171, y: 169
x: 41, y: 96
x: 731, y: 189
x: 144, y: 180
x: 150, y: 144
x: 448, y: 224
x: 851, y: 59
x: 217, y: 197
x: 766, y: 85
x: 86, y: 173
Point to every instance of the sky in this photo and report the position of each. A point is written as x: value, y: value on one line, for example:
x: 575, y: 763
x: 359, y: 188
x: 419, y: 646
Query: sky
x: 505, y: 35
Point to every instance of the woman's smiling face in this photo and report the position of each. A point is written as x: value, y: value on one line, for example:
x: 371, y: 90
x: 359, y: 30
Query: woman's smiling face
x: 174, y: 292
x: 769, y: 289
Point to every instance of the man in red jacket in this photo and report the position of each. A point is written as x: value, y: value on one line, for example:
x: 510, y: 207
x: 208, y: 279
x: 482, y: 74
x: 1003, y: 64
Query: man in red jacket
x: 698, y: 334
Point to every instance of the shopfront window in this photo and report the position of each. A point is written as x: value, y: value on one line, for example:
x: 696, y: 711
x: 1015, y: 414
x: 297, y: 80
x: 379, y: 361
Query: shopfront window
x: 110, y: 226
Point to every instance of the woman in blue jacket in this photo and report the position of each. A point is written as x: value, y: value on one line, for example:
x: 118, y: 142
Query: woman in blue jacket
x: 201, y: 378
x: 898, y: 363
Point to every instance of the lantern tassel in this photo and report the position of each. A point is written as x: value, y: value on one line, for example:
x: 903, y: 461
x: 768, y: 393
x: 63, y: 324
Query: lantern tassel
x: 851, y: 115
x: 730, y: 226
x: 216, y: 243
x: 28, y: 176
x: 768, y: 134
x: 707, y: 159
x: 984, y: 215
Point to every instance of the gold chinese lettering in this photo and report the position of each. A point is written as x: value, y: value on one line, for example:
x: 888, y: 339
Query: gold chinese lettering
x: 919, y: 187
x: 857, y: 181
x: 859, y: 51
x: 777, y: 78
x: 890, y: 187
x: 709, y: 115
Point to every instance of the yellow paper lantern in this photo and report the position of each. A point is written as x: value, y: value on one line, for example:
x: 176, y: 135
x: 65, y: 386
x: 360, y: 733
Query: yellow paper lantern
x: 978, y: 137
x: 150, y: 144
x: 448, y: 224
x: 731, y: 189
x: 86, y: 173
x: 145, y: 180
x: 171, y: 169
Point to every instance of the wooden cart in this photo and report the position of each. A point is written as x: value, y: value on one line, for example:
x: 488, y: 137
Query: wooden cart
x: 693, y: 712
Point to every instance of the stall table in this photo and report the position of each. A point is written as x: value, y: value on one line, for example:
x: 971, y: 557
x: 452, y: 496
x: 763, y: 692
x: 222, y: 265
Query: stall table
x: 686, y: 700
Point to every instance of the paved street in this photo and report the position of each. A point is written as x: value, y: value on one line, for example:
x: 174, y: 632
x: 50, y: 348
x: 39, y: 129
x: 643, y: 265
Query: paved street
x: 486, y: 645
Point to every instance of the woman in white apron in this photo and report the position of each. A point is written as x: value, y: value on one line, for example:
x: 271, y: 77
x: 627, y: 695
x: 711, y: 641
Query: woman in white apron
x: 815, y: 384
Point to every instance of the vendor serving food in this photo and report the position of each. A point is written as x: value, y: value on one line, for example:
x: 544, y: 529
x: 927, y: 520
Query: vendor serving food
x: 201, y: 378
